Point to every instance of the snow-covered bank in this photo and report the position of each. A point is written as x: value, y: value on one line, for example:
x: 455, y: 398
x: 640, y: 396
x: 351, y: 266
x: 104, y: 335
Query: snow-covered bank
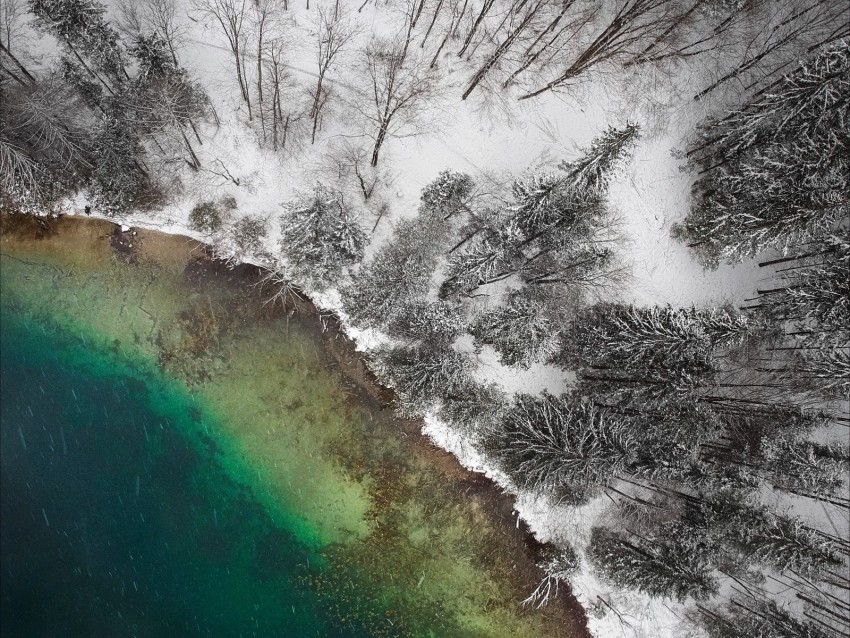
x: 494, y: 141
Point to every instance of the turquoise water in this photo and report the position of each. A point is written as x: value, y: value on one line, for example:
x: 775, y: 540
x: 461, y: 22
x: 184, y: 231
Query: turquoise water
x: 177, y: 460
x: 116, y: 518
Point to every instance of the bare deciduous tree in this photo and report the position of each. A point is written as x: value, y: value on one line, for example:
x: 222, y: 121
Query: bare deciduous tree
x: 400, y: 88
x: 11, y: 12
x: 283, y: 122
x: 266, y: 14
x: 230, y: 14
x: 514, y: 33
x: 633, y: 23
x: 158, y: 16
x: 777, y: 44
x: 334, y: 32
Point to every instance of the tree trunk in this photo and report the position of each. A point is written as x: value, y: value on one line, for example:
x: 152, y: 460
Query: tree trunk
x: 379, y: 141
x: 488, y: 4
x: 260, y: 77
x: 17, y: 63
x: 499, y: 52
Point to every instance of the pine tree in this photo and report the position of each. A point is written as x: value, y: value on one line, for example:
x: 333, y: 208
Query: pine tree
x: 805, y: 466
x: 447, y: 195
x: 667, y: 567
x: 775, y: 173
x: 519, y: 331
x: 399, y: 272
x: 320, y: 235
x: 422, y: 376
x: 773, y: 540
x: 118, y: 184
x: 591, y: 173
x: 551, y: 233
x: 437, y: 323
x: 757, y: 618
x: 553, y: 445
x: 476, y: 408
x: 487, y: 259
x: 82, y: 27
x: 643, y: 350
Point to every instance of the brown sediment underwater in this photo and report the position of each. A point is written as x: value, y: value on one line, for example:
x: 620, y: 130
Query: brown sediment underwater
x: 401, y: 524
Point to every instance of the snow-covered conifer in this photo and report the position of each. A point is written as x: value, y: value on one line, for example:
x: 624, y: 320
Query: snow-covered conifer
x: 422, y: 376
x: 320, y: 235
x: 803, y: 465
x: 775, y: 172
x: 591, y: 173
x: 81, y: 26
x: 399, y: 272
x: 447, y: 195
x: 118, y: 183
x: 560, y: 447
x: 520, y: 331
x: 665, y: 567
x: 432, y: 322
x: 756, y: 618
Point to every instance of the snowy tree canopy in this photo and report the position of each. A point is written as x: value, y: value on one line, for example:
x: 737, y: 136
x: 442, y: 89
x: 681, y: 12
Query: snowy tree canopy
x: 519, y: 331
x: 775, y: 172
x: 662, y: 567
x: 320, y: 235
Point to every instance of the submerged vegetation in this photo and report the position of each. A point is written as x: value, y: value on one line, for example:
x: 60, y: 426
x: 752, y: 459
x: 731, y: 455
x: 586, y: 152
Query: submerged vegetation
x: 708, y: 434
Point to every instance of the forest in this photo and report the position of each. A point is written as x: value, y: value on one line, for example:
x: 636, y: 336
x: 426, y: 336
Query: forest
x: 708, y: 433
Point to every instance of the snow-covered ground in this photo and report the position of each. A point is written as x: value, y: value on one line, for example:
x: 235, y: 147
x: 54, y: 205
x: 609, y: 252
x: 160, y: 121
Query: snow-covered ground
x: 490, y: 139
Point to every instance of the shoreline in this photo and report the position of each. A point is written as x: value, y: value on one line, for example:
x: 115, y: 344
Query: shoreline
x: 341, y: 351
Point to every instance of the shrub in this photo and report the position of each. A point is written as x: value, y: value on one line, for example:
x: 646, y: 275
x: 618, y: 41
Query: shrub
x: 205, y: 217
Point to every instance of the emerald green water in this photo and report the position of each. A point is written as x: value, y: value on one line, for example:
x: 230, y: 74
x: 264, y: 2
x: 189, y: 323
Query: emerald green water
x: 117, y: 518
x: 177, y: 461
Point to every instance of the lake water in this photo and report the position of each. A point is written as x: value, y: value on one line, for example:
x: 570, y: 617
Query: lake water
x: 178, y: 460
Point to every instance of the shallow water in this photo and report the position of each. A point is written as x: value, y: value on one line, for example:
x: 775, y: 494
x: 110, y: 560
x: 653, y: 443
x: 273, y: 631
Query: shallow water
x: 177, y: 460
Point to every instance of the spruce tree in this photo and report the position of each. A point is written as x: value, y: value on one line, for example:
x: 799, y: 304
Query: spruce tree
x: 520, y: 331
x: 667, y: 567
x: 557, y: 446
x: 320, y: 236
x: 775, y: 173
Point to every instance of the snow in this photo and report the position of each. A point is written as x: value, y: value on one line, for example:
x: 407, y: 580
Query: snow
x: 490, y: 141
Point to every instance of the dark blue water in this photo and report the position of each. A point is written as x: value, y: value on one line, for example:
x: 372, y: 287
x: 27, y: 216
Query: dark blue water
x: 117, y: 518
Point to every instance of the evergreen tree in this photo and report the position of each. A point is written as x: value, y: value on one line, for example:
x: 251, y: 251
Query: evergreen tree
x: 814, y: 296
x: 401, y: 271
x: 551, y: 231
x: 652, y: 351
x: 775, y: 172
x: 487, y: 259
x: 668, y: 567
x: 45, y: 148
x: 422, y: 376
x: 476, y: 408
x: 447, y: 195
x: 591, y: 173
x: 805, y: 466
x: 519, y: 331
x: 764, y: 537
x: 320, y: 235
x: 82, y: 27
x: 757, y: 618
x: 118, y: 183
x: 553, y: 445
x: 437, y: 323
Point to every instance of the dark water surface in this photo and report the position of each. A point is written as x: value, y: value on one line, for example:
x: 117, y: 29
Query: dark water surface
x: 178, y: 462
x: 117, y: 521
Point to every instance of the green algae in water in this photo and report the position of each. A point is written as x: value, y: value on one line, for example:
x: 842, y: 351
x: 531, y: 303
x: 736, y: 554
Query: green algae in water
x: 116, y: 520
x: 299, y: 510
